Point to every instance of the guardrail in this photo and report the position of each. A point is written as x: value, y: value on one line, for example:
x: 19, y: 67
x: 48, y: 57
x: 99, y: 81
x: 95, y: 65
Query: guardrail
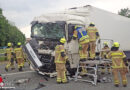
x: 2, y: 54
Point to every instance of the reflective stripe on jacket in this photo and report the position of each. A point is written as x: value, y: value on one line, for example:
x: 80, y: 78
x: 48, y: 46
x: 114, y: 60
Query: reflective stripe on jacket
x: 117, y: 59
x: 58, y: 57
x: 18, y: 52
x: 92, y: 33
x: 81, y: 34
x: 9, y: 53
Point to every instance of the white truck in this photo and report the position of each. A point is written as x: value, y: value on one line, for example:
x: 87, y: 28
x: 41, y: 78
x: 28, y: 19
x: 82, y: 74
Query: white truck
x: 47, y: 29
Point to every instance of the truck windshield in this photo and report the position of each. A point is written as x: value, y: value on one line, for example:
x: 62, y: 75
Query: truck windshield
x: 48, y: 30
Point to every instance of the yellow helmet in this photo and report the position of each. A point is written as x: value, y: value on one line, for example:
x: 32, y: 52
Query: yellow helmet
x: 19, y: 43
x: 9, y: 44
x: 76, y: 26
x: 92, y: 23
x: 105, y: 43
x: 62, y: 40
x: 116, y: 44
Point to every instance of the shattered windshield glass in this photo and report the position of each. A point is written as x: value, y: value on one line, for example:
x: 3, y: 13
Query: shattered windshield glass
x: 48, y: 30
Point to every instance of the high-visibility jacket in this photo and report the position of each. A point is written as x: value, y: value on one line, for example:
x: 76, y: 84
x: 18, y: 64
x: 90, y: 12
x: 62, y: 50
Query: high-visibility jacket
x: 81, y: 34
x: 105, y: 51
x: 117, y: 58
x: 58, y: 57
x: 18, y: 52
x: 9, y: 52
x: 91, y: 30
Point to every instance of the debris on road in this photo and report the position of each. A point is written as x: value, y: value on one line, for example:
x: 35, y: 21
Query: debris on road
x: 105, y: 80
x: 40, y: 85
x: 21, y: 81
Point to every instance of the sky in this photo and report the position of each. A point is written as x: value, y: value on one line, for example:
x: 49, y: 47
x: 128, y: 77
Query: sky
x: 22, y: 12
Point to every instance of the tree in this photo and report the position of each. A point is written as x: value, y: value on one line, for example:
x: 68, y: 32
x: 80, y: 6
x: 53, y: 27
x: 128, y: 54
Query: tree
x: 125, y: 12
x: 0, y: 11
x: 9, y: 33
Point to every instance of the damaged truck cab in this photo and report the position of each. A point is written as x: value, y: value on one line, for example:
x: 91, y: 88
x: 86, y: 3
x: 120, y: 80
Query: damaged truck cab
x: 47, y: 31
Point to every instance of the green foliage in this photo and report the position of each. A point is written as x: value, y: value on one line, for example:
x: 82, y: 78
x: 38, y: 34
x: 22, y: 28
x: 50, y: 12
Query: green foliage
x: 2, y: 51
x: 9, y: 33
x: 3, y: 58
x: 125, y: 12
x: 0, y: 11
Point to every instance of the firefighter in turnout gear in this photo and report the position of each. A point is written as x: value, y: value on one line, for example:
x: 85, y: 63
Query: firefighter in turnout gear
x: 60, y: 61
x: 93, y: 36
x: 119, y: 64
x: 83, y: 38
x: 10, y: 57
x: 19, y: 56
x: 104, y: 52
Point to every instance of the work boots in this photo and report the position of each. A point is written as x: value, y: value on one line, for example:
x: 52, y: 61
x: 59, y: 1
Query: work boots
x: 58, y: 82
x: 83, y: 60
x: 6, y: 69
x: 13, y: 68
x: 124, y: 85
x: 116, y: 85
x: 20, y: 68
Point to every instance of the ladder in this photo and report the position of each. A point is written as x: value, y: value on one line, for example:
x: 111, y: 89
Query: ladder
x: 95, y: 67
x: 92, y: 64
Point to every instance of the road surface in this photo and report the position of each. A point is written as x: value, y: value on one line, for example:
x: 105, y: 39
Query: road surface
x: 11, y: 77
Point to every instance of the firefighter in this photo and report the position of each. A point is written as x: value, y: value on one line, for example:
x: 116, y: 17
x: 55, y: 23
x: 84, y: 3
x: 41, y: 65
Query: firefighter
x: 19, y: 56
x: 60, y: 61
x: 119, y: 64
x: 10, y: 57
x: 104, y: 52
x: 83, y: 38
x: 93, y: 36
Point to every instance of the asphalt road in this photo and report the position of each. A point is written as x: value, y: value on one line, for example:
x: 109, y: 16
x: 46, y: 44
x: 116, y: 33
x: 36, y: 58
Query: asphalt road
x: 11, y: 77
